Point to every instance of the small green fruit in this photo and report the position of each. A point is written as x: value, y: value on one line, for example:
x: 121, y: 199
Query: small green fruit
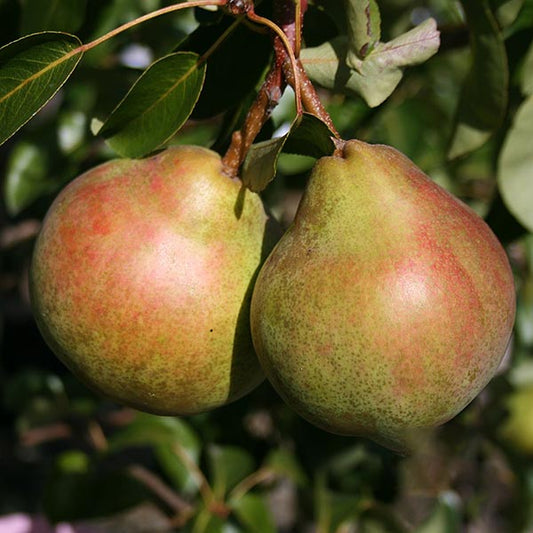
x: 387, y: 305
x: 142, y: 276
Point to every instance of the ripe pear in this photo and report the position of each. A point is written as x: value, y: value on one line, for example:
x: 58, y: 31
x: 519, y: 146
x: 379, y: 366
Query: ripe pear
x: 141, y: 280
x: 387, y: 305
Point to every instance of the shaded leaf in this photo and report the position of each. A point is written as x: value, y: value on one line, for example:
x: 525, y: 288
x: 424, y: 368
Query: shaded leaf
x: 364, y: 29
x: 285, y: 463
x: 484, y: 95
x: 26, y: 177
x: 515, y: 167
x: 259, y: 167
x: 445, y: 518
x: 61, y: 15
x: 308, y: 135
x: 228, y: 465
x: 333, y: 509
x: 376, y: 76
x: 32, y: 70
x: 226, y: 81
x: 527, y: 73
x: 253, y: 513
x: 156, y: 106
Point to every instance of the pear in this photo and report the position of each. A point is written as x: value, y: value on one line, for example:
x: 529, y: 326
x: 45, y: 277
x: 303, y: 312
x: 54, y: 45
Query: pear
x: 141, y: 280
x: 387, y: 305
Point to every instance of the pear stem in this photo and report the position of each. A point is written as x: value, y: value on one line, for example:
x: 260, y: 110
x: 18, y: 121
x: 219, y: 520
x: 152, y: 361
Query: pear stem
x: 291, y: 21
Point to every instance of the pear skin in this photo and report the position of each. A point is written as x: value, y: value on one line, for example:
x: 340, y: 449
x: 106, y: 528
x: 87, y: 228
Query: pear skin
x: 141, y: 281
x: 388, y: 304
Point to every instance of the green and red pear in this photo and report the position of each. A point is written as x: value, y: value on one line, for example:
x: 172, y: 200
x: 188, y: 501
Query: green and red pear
x: 388, y: 304
x: 142, y: 276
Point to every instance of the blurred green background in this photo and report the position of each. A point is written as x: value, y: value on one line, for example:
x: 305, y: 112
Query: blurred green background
x: 71, y: 456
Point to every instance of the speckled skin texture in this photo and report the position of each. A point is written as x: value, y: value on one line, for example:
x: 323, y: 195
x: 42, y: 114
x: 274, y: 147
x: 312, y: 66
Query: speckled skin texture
x: 387, y: 305
x: 142, y: 276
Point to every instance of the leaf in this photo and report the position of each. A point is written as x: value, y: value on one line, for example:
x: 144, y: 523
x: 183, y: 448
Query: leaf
x: 524, y: 19
x: 61, y: 15
x: 253, y: 513
x: 32, y: 69
x: 227, y: 83
x: 376, y: 76
x: 156, y: 106
x: 259, y: 167
x: 527, y: 73
x: 483, y: 98
x: 445, y: 518
x: 285, y: 463
x: 515, y: 175
x: 26, y: 177
x: 228, y: 466
x: 308, y: 135
x: 506, y: 11
x: 152, y: 430
x: 364, y: 29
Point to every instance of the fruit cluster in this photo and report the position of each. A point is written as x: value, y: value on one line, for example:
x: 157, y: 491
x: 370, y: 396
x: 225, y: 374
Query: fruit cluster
x: 383, y: 310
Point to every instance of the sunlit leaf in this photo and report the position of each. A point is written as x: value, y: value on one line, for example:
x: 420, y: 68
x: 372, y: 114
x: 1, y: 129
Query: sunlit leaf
x: 376, y: 76
x: 156, y: 106
x: 507, y: 11
x: 515, y: 168
x: 364, y: 29
x: 152, y: 430
x: 61, y: 15
x: 32, y: 70
x: 26, y: 177
x: 484, y: 95
x: 228, y: 465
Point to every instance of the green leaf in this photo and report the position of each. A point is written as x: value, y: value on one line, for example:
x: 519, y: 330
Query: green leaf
x: 228, y: 465
x: 26, y: 177
x: 252, y: 512
x: 152, y: 430
x: 334, y: 509
x: 227, y: 83
x: 32, y: 70
x: 506, y: 11
x: 527, y: 73
x: 364, y: 29
x: 308, y: 135
x: 376, y: 76
x: 285, y: 463
x: 156, y: 106
x: 484, y: 95
x: 524, y: 19
x: 61, y: 15
x: 176, y: 470
x: 445, y: 518
x: 260, y: 165
x: 515, y: 177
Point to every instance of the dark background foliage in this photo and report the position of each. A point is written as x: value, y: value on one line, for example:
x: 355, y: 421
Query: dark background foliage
x: 70, y: 455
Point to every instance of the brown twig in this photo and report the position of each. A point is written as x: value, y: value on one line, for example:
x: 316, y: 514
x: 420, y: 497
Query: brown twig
x: 165, y: 493
x: 257, y: 115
